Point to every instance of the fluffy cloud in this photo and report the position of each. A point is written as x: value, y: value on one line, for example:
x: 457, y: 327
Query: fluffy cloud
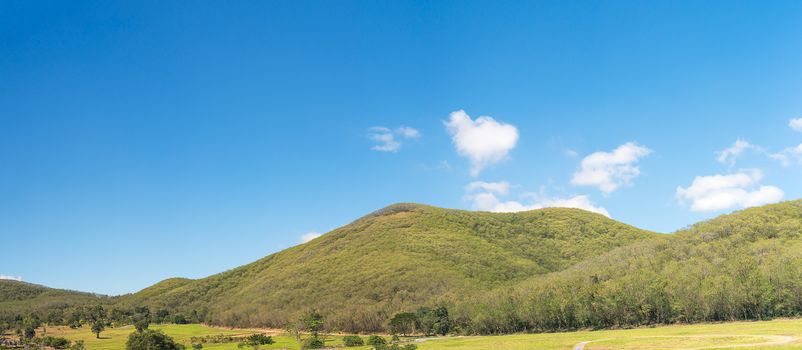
x: 484, y: 197
x: 718, y: 192
x: 731, y: 154
x: 795, y: 124
x: 306, y: 237
x: 484, y: 141
x: 610, y: 170
x: 6, y: 277
x: 386, y: 138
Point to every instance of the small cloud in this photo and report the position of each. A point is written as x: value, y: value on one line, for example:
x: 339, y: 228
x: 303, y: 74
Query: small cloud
x: 731, y: 154
x: 501, y: 188
x: 13, y: 278
x: 306, y: 237
x: 610, y: 170
x: 570, y: 153
x: 484, y: 197
x: 718, y: 192
x: 795, y: 124
x: 407, y: 132
x: 484, y: 141
x: 386, y: 138
x: 786, y: 156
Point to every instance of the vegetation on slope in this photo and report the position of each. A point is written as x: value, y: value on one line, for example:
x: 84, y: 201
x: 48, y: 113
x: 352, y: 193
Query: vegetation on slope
x: 396, y: 259
x: 20, y: 298
x: 746, y: 265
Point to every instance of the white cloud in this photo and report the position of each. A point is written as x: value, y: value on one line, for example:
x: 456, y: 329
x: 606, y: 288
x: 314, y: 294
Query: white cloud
x: 570, y: 153
x: 407, y: 132
x: 483, y: 196
x: 786, y: 156
x: 795, y: 124
x: 718, y: 192
x: 386, y: 138
x: 13, y: 278
x: 730, y: 155
x: 610, y: 170
x: 501, y: 188
x: 484, y: 141
x: 306, y: 237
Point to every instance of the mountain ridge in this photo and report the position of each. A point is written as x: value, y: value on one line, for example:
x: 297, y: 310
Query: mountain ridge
x: 505, y: 272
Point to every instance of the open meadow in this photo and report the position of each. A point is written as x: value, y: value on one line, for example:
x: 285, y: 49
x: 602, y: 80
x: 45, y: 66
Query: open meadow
x: 115, y: 338
x: 777, y: 334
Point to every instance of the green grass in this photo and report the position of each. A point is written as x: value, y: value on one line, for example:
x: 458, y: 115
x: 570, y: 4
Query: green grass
x: 702, y: 336
x: 115, y: 338
x: 745, y: 335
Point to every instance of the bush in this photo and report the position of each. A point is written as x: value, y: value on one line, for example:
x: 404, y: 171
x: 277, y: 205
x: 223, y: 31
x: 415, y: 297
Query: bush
x: 376, y: 340
x: 256, y: 340
x: 312, y: 343
x: 151, y: 340
x: 396, y: 347
x: 353, y: 340
x: 56, y: 342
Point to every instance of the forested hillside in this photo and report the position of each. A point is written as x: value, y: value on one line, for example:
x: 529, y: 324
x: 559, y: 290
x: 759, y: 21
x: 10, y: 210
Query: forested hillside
x: 397, y: 259
x: 746, y: 265
x: 541, y: 270
x: 20, y: 298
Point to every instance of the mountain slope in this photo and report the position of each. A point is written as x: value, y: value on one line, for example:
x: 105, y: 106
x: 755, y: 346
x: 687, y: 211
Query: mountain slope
x: 398, y: 258
x: 19, y: 298
x: 745, y: 265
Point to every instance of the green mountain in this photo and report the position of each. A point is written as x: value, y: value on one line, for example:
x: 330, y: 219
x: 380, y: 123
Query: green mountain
x: 745, y: 265
x: 396, y: 259
x: 541, y: 270
x: 20, y: 298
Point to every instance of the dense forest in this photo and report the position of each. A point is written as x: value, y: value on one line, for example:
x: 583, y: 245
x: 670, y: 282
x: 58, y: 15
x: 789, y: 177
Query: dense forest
x: 418, y: 269
x: 743, y: 266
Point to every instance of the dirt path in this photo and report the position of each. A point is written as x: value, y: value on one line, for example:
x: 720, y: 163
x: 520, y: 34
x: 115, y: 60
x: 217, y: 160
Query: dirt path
x: 581, y: 346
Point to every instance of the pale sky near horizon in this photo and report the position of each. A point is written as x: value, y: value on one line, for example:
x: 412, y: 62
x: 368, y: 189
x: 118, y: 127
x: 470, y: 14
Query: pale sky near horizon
x: 147, y: 140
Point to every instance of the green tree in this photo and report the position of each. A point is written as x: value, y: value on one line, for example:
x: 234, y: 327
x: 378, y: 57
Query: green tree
x: 97, y: 327
x: 29, y: 325
x: 97, y: 313
x: 402, y: 323
x: 141, y: 318
x: 151, y: 340
x: 312, y: 322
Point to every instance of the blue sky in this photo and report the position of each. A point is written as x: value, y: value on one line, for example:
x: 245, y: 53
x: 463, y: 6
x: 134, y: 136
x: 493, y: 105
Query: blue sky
x: 146, y: 140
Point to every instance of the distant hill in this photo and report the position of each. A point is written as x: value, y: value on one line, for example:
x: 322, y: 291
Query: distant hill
x: 21, y: 298
x: 745, y: 265
x: 396, y: 259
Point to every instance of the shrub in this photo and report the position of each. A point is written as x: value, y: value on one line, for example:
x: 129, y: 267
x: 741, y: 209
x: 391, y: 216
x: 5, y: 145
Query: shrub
x: 312, y: 343
x: 396, y: 347
x: 353, y: 340
x: 56, y: 342
x: 151, y: 340
x: 256, y: 340
x: 376, y: 340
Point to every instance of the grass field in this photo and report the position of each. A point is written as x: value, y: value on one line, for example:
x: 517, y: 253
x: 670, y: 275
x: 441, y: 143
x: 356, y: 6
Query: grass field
x: 779, y: 334
x: 776, y: 335
x: 114, y: 338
